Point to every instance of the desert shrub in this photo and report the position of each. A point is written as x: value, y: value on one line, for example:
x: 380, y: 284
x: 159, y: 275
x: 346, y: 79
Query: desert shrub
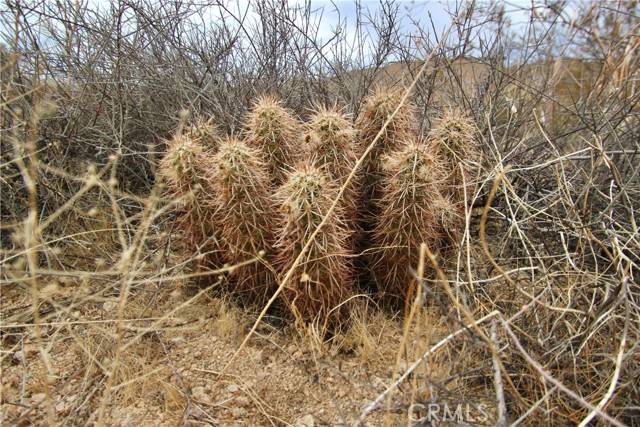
x: 245, y: 215
x: 323, y: 281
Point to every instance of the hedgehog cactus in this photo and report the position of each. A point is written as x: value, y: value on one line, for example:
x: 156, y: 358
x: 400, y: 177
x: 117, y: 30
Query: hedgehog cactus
x: 454, y: 136
x: 455, y: 139
x: 376, y: 110
x: 204, y: 132
x: 241, y: 184
x: 184, y: 164
x: 273, y: 129
x: 331, y: 146
x: 454, y: 133
x: 184, y: 169
x: 323, y: 280
x: 410, y: 196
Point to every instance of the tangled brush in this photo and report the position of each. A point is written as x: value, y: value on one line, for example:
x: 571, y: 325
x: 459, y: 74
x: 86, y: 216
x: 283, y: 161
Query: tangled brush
x: 411, y: 192
x: 323, y: 280
x: 245, y: 214
x: 184, y: 169
x: 331, y: 146
x: 273, y: 129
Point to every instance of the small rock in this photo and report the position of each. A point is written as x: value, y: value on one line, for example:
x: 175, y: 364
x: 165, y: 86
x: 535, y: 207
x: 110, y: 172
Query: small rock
x: 306, y: 421
x: 238, y: 412
x: 232, y: 388
x: 62, y: 408
x: 242, y: 401
x: 18, y: 357
x: 37, y: 398
x: 109, y: 305
x: 201, y: 394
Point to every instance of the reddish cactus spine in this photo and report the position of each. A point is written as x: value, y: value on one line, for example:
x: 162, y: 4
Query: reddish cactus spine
x: 241, y: 184
x: 411, y: 191
x: 322, y: 282
x: 331, y: 145
x: 273, y: 130
x: 183, y: 169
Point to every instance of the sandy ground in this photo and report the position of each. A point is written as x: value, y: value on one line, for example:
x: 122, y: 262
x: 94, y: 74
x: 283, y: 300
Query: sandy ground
x: 169, y: 371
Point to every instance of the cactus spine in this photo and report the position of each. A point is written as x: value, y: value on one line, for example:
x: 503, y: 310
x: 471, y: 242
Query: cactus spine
x: 241, y: 184
x: 272, y: 129
x: 454, y: 137
x: 323, y: 280
x: 331, y: 146
x: 410, y: 193
x: 184, y: 169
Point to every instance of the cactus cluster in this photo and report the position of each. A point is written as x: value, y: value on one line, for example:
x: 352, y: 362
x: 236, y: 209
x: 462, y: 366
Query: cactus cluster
x: 266, y: 191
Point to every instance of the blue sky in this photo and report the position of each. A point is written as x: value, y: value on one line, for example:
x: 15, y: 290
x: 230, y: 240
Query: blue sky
x: 341, y: 15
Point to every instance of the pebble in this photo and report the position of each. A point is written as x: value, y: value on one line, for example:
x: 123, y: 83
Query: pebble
x: 305, y: 421
x: 62, y: 408
x: 200, y: 394
x: 37, y: 398
x: 242, y: 401
x: 239, y: 412
x: 109, y: 305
